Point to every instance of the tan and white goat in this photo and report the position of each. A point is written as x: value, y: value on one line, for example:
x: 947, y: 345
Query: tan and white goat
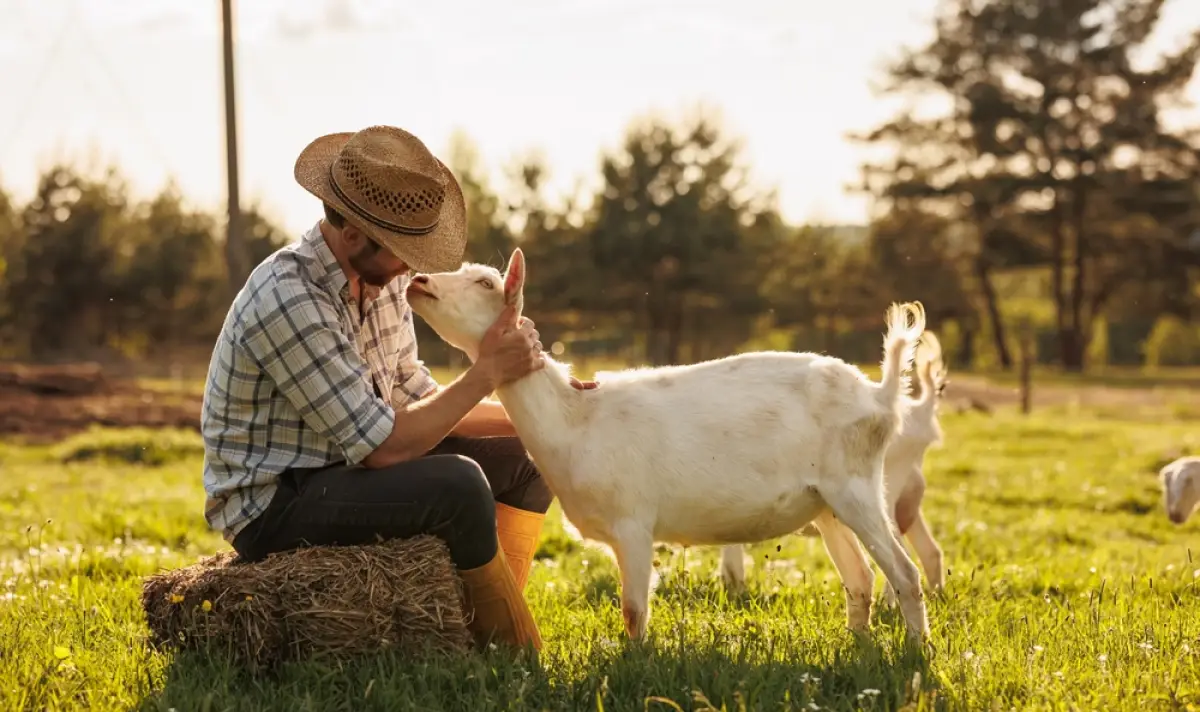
x: 736, y: 450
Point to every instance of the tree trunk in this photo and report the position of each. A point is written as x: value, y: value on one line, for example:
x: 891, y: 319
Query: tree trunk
x: 992, y: 304
x: 674, y: 331
x: 966, y: 347
x: 1075, y: 346
x: 657, y: 317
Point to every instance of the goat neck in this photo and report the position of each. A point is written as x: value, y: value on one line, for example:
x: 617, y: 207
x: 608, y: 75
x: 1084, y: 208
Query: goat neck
x: 543, y: 407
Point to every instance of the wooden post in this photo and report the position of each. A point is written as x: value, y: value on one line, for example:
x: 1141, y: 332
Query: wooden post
x: 235, y: 253
x: 1026, y: 366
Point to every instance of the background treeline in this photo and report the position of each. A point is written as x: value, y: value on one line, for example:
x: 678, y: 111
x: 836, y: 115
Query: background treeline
x: 1047, y: 192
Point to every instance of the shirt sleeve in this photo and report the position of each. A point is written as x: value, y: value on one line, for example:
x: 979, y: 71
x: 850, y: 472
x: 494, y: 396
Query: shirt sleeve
x: 420, y: 384
x: 298, y: 342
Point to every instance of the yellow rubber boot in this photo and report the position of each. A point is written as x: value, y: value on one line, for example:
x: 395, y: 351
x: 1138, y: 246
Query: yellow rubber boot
x: 496, y: 606
x: 519, y: 531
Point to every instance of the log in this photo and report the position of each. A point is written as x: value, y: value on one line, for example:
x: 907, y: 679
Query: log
x: 72, y: 379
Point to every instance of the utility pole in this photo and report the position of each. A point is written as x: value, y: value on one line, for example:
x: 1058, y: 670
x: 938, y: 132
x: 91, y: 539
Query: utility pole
x: 235, y: 252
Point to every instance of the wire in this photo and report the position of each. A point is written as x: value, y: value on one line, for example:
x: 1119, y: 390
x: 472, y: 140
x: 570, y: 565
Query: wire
x: 124, y: 97
x: 28, y: 104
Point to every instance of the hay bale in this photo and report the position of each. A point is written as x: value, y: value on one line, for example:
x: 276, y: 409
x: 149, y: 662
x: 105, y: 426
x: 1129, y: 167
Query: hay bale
x: 402, y: 595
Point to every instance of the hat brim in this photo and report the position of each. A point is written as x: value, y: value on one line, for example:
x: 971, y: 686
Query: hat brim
x: 438, y: 251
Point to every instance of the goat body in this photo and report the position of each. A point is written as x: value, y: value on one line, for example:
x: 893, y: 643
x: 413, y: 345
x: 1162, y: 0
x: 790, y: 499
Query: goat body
x: 1180, y: 481
x: 904, y: 481
x: 736, y: 450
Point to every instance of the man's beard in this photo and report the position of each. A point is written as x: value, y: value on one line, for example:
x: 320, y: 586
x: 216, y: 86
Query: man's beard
x: 368, y: 272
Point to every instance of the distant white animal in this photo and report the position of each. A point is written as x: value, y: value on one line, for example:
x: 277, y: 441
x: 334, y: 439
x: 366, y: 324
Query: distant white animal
x: 903, y: 476
x: 1181, y: 488
x: 736, y: 450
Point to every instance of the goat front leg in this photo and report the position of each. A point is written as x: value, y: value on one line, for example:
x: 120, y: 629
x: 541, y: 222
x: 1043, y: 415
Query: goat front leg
x: 852, y: 565
x: 858, y: 502
x: 733, y: 567
x: 634, y: 548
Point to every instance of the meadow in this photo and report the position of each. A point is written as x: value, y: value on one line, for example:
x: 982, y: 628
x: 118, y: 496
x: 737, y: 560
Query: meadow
x: 1067, y: 589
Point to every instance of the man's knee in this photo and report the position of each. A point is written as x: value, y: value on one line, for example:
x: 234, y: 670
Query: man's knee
x: 461, y: 481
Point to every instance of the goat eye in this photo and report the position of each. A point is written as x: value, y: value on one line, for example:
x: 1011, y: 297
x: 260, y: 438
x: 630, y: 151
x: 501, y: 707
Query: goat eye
x: 487, y: 283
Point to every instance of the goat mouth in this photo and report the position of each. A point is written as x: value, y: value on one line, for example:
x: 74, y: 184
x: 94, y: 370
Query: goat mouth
x: 416, y: 290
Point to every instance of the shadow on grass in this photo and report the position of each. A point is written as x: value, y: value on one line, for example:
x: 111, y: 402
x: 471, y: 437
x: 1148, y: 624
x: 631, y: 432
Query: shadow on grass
x: 737, y: 673
x: 691, y: 589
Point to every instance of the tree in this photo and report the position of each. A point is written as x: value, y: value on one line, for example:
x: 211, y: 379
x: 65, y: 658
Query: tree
x: 172, y: 283
x: 61, y: 284
x: 10, y: 242
x: 488, y: 240
x: 1051, y: 138
x: 668, y: 231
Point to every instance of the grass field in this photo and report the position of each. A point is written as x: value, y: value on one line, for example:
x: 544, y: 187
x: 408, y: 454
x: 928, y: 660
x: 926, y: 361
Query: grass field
x: 1068, y: 589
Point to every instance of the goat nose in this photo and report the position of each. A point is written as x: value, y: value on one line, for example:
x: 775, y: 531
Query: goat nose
x: 421, y: 279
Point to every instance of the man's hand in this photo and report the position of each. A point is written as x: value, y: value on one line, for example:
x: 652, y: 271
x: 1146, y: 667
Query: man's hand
x: 583, y: 385
x: 509, y: 350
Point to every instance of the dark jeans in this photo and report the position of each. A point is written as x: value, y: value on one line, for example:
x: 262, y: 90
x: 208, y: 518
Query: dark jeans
x: 451, y: 493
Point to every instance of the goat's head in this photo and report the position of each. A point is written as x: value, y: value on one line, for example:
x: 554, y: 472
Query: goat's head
x: 460, y: 306
x: 1181, y: 488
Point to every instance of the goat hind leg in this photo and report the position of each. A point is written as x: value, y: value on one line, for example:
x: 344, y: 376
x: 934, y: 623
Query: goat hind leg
x: 860, y: 506
x: 904, y: 516
x: 733, y: 567
x: 928, y: 551
x: 858, y: 578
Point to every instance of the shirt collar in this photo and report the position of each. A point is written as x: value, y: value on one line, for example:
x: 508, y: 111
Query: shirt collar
x: 326, y: 269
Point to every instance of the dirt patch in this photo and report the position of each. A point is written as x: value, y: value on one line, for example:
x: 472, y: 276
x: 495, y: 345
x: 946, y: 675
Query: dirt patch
x: 47, y: 403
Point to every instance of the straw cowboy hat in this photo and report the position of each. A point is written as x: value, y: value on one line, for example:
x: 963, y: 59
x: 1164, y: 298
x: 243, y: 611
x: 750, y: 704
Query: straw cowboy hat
x: 385, y: 182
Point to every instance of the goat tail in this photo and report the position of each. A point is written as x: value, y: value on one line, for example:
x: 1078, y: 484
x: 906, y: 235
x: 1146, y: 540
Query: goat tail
x: 899, y: 350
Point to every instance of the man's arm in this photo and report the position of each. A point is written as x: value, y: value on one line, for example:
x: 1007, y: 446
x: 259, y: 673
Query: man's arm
x: 487, y: 419
x: 297, y: 341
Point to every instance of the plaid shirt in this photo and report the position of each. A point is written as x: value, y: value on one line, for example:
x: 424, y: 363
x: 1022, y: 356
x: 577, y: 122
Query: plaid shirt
x: 295, y: 377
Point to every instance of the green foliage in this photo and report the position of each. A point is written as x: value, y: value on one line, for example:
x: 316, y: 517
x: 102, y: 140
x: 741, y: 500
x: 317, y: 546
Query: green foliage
x: 1049, y: 190
x: 1067, y: 588
x: 1173, y: 342
x: 88, y: 271
x: 1052, y: 153
x: 672, y: 236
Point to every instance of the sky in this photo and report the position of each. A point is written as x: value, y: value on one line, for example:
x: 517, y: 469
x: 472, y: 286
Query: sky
x: 138, y: 83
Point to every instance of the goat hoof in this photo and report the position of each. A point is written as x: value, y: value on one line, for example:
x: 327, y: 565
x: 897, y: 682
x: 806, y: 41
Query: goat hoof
x: 635, y: 622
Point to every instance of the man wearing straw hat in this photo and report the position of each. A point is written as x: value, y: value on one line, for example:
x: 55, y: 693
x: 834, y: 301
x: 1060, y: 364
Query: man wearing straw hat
x: 320, y: 424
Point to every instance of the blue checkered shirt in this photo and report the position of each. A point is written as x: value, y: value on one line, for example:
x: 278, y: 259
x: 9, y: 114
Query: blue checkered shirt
x: 295, y: 377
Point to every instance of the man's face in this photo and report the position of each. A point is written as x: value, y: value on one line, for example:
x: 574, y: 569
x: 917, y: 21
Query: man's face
x: 375, y: 264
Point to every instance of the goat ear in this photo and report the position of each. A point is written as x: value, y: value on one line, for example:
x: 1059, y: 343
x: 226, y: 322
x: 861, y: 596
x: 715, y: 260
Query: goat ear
x: 514, y: 280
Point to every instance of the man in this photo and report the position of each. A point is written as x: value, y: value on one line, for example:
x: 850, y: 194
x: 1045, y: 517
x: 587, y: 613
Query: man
x: 322, y: 427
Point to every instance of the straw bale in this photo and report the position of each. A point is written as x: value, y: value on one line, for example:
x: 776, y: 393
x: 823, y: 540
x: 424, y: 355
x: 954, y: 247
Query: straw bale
x: 403, y: 595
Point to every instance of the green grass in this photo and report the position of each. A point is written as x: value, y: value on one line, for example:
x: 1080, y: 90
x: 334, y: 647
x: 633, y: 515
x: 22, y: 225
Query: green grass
x: 1068, y: 589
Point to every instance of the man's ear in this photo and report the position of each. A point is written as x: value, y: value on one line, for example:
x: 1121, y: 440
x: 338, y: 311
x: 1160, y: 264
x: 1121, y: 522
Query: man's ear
x: 514, y: 281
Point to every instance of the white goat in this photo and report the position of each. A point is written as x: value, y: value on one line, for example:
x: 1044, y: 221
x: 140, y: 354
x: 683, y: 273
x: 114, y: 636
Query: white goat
x: 904, y: 481
x: 1181, y: 487
x: 736, y: 450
